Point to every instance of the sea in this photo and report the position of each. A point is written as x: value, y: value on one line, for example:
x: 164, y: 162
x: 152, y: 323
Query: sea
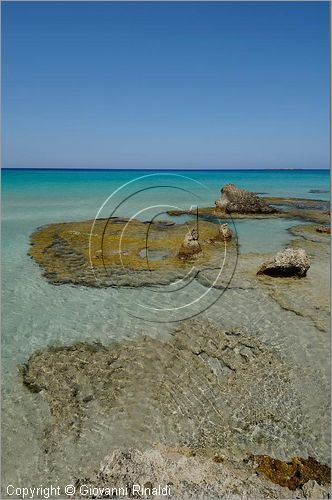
x: 36, y: 314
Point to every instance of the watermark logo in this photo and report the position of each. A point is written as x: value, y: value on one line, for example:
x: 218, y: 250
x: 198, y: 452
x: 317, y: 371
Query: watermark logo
x: 156, y: 235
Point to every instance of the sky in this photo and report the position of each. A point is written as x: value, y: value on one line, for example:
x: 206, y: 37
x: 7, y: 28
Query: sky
x: 165, y: 84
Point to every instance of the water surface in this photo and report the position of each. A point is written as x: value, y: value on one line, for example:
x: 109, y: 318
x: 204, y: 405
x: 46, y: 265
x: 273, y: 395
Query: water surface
x: 37, y: 314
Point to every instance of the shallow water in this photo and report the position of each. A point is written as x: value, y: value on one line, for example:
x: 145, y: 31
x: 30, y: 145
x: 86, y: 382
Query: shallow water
x: 37, y: 314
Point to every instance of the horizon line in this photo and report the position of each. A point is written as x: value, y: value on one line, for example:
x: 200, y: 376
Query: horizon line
x: 164, y: 169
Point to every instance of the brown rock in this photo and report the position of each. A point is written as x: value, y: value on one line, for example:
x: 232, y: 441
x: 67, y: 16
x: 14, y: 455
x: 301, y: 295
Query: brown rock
x: 190, y: 246
x: 234, y: 199
x: 293, y: 474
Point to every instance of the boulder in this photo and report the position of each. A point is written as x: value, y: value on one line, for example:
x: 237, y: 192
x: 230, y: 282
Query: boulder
x: 288, y: 262
x: 234, y: 199
x: 224, y: 234
x: 190, y: 246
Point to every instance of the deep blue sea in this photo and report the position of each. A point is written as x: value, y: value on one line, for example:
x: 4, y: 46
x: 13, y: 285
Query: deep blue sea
x: 37, y: 314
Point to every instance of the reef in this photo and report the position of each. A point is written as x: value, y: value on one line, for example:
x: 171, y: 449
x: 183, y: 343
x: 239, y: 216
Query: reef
x: 311, y: 232
x: 204, y: 388
x: 123, y: 252
x: 120, y: 252
x: 290, y: 208
x: 319, y: 191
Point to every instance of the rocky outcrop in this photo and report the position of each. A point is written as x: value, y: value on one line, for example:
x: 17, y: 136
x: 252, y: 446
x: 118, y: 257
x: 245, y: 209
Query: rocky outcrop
x: 190, y: 247
x: 115, y: 252
x: 224, y: 234
x: 287, y: 263
x: 234, y: 199
x: 182, y: 473
x: 287, y: 208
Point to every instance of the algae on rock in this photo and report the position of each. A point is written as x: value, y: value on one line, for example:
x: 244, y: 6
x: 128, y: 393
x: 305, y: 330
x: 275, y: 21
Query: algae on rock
x: 124, y: 253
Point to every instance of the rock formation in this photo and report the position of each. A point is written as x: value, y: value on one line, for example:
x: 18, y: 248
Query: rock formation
x: 187, y: 475
x: 234, y: 199
x: 287, y: 208
x: 288, y: 262
x: 119, y: 253
x: 295, y: 473
x: 190, y: 247
x: 223, y: 234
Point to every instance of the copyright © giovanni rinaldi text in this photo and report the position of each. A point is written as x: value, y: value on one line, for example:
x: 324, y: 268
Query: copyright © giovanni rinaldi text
x: 89, y: 491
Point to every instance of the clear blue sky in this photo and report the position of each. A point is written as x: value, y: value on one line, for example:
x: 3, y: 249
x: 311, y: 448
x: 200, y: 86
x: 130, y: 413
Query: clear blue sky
x: 166, y: 85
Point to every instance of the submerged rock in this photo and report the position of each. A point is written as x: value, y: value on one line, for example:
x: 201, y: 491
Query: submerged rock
x: 204, y: 387
x: 319, y: 191
x: 287, y: 263
x: 234, y: 199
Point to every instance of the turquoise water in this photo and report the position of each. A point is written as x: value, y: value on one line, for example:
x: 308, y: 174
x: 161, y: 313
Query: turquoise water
x: 31, y: 198
x: 68, y: 186
x: 35, y: 197
x: 37, y: 314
